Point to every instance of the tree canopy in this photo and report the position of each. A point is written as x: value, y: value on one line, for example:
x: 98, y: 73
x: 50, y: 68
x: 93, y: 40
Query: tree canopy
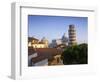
x: 77, y: 54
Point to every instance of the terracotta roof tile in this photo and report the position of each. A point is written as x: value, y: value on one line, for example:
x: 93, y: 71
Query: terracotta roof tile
x: 31, y: 50
x: 45, y: 53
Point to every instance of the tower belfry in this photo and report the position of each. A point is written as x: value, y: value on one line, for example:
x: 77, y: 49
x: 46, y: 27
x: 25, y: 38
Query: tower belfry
x: 72, y: 35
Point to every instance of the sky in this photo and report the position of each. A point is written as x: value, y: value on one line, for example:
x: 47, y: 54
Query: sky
x: 53, y: 27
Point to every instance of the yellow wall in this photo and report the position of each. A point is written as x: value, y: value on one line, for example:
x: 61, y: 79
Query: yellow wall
x: 39, y: 46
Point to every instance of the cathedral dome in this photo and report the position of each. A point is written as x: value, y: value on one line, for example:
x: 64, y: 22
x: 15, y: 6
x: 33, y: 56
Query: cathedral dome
x: 64, y: 38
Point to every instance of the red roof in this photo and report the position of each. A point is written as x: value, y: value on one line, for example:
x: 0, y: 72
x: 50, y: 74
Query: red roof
x: 31, y: 50
x: 45, y: 53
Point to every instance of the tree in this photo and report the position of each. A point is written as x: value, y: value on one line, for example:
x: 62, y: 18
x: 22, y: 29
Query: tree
x: 75, y: 54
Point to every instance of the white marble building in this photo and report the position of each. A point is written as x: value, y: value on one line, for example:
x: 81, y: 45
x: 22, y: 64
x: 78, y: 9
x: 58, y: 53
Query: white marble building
x: 62, y: 40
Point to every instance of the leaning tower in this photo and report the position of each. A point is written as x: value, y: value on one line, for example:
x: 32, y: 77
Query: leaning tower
x: 72, y: 35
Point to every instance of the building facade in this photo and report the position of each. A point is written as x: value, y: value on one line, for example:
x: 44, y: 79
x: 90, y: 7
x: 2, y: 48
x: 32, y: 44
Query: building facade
x: 35, y: 43
x: 62, y: 41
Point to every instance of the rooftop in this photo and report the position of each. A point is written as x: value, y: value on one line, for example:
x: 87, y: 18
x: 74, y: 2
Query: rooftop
x: 32, y: 38
x: 45, y: 53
